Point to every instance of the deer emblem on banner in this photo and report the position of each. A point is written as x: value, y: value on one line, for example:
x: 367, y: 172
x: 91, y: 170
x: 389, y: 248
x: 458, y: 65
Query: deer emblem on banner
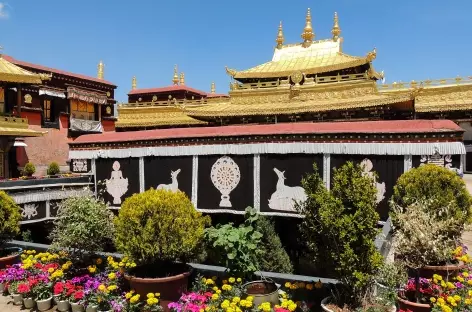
x: 174, y: 186
x: 285, y: 197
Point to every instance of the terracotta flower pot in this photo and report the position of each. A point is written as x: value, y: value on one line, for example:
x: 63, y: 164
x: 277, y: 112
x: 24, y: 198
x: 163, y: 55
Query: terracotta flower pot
x: 17, y: 299
x: 413, y: 306
x: 446, y: 271
x: 11, y: 259
x: 262, y: 291
x: 63, y: 305
x: 170, y: 288
x: 44, y: 305
x: 76, y: 307
x: 28, y: 303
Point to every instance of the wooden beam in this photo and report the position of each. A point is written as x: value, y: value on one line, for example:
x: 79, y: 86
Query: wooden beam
x: 18, y: 100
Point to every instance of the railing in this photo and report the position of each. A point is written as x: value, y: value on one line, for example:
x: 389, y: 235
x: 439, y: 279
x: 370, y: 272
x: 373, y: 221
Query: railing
x: 427, y: 83
x: 284, y: 83
x: 173, y: 102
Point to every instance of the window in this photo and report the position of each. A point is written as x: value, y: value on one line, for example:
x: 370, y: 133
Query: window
x: 47, y: 111
x: 82, y: 110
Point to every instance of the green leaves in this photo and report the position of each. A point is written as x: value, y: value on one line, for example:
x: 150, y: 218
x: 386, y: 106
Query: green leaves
x: 9, y: 218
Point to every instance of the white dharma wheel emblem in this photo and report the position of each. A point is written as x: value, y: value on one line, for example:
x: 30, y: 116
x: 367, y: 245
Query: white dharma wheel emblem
x: 225, y: 176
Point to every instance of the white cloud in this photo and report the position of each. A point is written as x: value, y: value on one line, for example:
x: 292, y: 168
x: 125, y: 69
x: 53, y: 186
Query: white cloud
x: 3, y: 11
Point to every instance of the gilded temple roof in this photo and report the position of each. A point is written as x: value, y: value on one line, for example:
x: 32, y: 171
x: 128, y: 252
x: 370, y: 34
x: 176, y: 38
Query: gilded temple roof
x: 310, y: 99
x: 134, y: 115
x: 320, y: 57
x: 17, y: 127
x: 10, y: 72
x: 436, y: 95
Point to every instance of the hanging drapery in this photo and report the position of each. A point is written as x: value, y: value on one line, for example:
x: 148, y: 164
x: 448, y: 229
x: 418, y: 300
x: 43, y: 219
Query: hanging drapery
x: 85, y: 125
x: 53, y: 93
x: 86, y: 96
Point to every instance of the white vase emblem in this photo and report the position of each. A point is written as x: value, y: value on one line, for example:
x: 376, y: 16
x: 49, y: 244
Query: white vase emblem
x: 367, y: 167
x: 117, y: 186
x: 225, y: 176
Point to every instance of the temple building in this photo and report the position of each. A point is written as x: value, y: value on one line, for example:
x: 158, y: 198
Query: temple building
x: 63, y: 106
x: 163, y: 107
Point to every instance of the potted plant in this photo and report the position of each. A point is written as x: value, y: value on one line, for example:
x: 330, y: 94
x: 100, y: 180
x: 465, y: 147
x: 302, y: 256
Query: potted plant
x: 388, y: 281
x: 13, y: 290
x: 166, y: 228
x: 340, y: 226
x: 239, y: 248
x: 62, y: 292
x: 9, y: 227
x: 77, y: 300
x: 427, y: 246
x: 42, y: 293
x: 25, y: 290
x: 53, y: 169
x: 29, y: 170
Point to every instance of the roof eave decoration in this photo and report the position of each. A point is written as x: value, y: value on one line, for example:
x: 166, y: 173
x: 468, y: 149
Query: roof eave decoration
x: 12, y: 73
x: 17, y: 127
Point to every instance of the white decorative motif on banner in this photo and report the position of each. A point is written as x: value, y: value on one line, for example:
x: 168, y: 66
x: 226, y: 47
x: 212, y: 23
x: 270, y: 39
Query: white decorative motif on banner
x: 29, y: 211
x: 117, y: 186
x: 225, y: 176
x: 368, y: 166
x: 174, y: 186
x: 79, y: 165
x: 437, y: 159
x: 286, y: 197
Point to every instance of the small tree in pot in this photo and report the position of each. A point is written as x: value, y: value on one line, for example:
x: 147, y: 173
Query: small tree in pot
x: 53, y: 169
x: 156, y: 229
x: 340, y: 227
x: 29, y: 169
x: 9, y: 227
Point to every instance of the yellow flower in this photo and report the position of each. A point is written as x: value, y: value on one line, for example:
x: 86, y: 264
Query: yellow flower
x: 150, y: 295
x: 111, y: 276
x: 152, y: 301
x: 318, y: 284
x: 209, y: 281
x: 215, y: 297
x: 226, y: 287
x: 92, y: 269
x: 236, y: 299
x: 218, y: 291
x: 225, y: 282
x: 239, y: 280
x: 232, y: 280
x: 309, y: 286
x: 50, y: 270
x: 225, y: 304
x: 214, y: 278
x: 432, y: 299
x: 129, y: 295
x: 250, y: 298
x: 102, y: 287
x: 288, y: 285
x: 112, y: 287
x: 134, y: 299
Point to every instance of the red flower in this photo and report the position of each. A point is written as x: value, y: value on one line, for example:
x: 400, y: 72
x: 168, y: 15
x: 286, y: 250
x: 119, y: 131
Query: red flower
x: 23, y: 288
x: 58, y: 288
x: 78, y: 295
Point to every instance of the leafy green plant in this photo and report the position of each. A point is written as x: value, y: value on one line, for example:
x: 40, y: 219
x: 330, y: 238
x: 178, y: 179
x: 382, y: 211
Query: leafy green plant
x: 26, y: 236
x: 9, y: 219
x: 391, y: 277
x: 84, y: 224
x: 437, y: 187
x: 340, y: 227
x: 273, y: 257
x: 53, y: 169
x: 237, y: 246
x: 29, y: 169
x: 159, y: 226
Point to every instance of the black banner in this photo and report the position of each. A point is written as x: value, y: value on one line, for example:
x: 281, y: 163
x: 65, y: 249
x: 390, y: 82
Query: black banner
x: 171, y: 173
x: 225, y: 182
x: 448, y: 161
x: 280, y: 180
x: 80, y: 165
x: 33, y: 211
x: 117, y: 179
x: 388, y: 168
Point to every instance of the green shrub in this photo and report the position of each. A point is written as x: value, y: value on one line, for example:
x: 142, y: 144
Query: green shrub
x: 53, y: 169
x: 29, y: 169
x: 273, y: 257
x: 159, y: 226
x: 340, y: 227
x: 84, y: 224
x: 436, y: 187
x: 9, y: 219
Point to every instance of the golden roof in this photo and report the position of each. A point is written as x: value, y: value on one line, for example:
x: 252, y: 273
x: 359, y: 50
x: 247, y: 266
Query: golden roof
x: 320, y: 57
x: 310, y: 99
x: 9, y: 72
x: 18, y: 127
x: 436, y: 95
x: 152, y: 115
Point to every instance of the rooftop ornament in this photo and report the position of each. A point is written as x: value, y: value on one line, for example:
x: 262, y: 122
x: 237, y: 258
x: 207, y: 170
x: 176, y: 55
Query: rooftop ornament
x: 182, y: 79
x: 175, y: 79
x: 280, y: 37
x: 336, y: 31
x: 308, y: 34
x: 101, y: 67
x: 134, y: 83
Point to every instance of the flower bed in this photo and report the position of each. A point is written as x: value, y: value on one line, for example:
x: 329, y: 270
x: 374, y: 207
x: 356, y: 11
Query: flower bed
x: 100, y: 284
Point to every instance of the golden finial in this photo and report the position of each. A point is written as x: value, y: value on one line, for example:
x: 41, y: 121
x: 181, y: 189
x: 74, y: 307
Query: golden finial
x: 336, y: 31
x: 134, y: 84
x: 372, y: 55
x: 100, y: 73
x: 308, y: 35
x: 280, y: 37
x: 175, y: 80
x: 182, y: 79
x: 213, y: 88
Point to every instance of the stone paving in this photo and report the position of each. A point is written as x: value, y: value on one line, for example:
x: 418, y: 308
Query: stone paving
x: 6, y: 304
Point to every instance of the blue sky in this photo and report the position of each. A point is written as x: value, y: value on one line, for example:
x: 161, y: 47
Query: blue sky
x: 414, y: 39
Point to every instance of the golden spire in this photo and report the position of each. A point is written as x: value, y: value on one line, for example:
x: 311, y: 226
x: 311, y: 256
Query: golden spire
x: 213, y: 88
x: 280, y: 37
x: 308, y: 35
x: 100, y: 70
x: 182, y: 79
x: 175, y: 79
x: 134, y: 84
x: 336, y: 31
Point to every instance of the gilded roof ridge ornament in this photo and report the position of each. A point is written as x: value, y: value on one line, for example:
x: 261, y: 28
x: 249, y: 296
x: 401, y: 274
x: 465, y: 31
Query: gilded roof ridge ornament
x: 336, y: 31
x: 371, y: 55
x: 175, y: 79
x: 308, y: 34
x: 182, y: 79
x: 100, y: 73
x: 213, y: 88
x: 280, y: 37
x: 231, y: 72
x: 134, y: 83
